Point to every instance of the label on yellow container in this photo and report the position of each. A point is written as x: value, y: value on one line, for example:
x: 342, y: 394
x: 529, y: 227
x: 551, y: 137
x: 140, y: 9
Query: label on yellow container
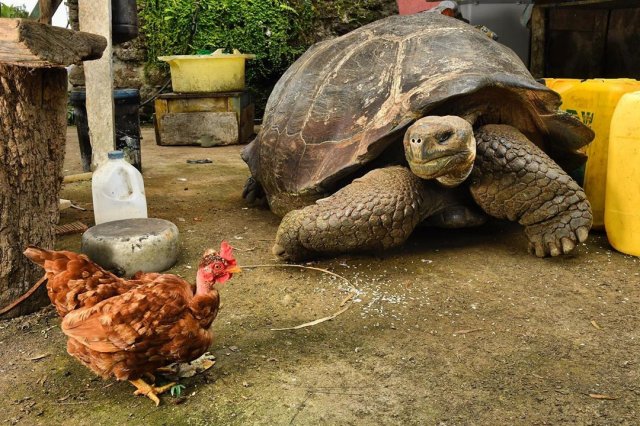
x: 593, y: 102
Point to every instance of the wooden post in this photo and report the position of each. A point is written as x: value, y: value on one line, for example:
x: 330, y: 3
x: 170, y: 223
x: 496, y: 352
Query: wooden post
x: 33, y: 101
x: 95, y: 17
x: 538, y: 31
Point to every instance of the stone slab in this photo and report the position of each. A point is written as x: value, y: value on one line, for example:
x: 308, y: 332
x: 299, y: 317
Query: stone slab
x: 132, y: 245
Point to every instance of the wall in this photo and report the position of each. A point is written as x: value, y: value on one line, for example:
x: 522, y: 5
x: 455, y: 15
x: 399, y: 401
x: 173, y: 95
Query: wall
x: 333, y: 18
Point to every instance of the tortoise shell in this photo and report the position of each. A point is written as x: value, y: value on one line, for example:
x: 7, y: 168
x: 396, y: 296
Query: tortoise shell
x: 338, y: 106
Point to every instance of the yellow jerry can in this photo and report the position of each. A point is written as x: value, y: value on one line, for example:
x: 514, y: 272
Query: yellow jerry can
x: 593, y: 102
x: 561, y: 85
x: 622, y: 205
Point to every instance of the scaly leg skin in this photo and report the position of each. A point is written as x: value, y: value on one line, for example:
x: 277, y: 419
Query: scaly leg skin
x: 375, y: 212
x: 151, y: 392
x: 513, y: 179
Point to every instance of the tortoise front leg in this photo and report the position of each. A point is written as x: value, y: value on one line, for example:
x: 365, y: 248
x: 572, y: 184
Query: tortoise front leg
x: 513, y: 179
x: 375, y: 212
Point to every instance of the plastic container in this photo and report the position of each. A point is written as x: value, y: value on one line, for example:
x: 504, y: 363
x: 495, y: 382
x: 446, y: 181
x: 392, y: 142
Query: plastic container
x: 561, y: 85
x: 124, y: 20
x: 78, y: 101
x: 217, y: 72
x: 118, y: 191
x: 593, y: 102
x: 127, y: 124
x: 622, y: 205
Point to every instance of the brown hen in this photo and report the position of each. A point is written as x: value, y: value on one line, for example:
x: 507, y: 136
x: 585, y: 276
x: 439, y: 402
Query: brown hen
x: 130, y: 328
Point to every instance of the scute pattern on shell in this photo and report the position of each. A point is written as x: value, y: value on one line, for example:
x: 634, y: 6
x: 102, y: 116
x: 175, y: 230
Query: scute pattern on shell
x: 330, y: 111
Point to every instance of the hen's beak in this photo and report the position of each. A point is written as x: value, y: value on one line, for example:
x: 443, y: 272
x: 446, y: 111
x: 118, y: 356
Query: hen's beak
x: 234, y: 270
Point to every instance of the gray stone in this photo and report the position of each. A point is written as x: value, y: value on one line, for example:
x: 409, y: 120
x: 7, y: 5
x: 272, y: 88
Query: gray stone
x: 132, y: 245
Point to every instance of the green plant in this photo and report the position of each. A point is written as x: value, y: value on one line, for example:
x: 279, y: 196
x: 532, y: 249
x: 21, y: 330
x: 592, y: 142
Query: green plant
x: 176, y: 390
x: 7, y: 11
x: 276, y: 31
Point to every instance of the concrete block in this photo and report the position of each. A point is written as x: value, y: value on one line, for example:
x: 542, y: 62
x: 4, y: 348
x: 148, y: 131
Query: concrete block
x: 132, y: 245
x: 200, y: 128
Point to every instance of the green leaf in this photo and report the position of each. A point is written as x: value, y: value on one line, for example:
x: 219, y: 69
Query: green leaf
x: 176, y: 390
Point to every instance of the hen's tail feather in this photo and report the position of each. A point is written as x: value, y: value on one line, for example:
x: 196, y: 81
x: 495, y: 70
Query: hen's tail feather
x: 37, y: 255
x: 52, y: 261
x: 74, y: 281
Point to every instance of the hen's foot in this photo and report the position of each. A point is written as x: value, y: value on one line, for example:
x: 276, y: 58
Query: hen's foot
x: 151, y: 392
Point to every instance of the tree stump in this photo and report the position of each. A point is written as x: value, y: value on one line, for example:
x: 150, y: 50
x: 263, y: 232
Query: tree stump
x: 33, y: 101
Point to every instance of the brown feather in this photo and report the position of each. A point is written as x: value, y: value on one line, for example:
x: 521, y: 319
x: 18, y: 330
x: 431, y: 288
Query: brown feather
x: 126, y: 328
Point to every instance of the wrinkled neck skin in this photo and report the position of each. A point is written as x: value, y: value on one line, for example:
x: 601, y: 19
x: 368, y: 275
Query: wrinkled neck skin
x: 202, y: 287
x: 456, y: 177
x: 204, y: 304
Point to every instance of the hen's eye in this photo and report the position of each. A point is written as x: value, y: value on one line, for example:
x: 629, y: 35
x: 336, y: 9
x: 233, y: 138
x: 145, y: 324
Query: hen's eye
x: 217, y: 266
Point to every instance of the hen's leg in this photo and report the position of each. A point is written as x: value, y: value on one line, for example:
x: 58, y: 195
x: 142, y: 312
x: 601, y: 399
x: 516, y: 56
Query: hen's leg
x: 375, y: 212
x: 151, y: 392
x: 513, y: 179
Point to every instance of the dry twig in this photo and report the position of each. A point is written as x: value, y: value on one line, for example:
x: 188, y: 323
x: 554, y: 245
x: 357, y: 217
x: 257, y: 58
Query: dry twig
x: 352, y: 293
x: 24, y: 297
x: 602, y: 396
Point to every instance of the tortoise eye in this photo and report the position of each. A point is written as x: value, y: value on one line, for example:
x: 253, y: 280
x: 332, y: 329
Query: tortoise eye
x: 443, y: 137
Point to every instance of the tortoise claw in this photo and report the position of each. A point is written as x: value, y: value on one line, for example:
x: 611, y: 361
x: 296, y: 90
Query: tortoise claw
x: 582, y: 233
x: 567, y: 245
x: 554, y: 250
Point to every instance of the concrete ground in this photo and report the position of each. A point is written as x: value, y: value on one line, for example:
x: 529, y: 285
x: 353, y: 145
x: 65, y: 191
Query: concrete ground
x: 455, y: 328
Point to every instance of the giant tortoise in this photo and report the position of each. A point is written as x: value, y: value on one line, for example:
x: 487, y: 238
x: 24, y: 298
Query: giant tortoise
x: 411, y: 119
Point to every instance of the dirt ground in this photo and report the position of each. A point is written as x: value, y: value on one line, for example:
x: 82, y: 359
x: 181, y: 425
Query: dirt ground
x: 456, y: 328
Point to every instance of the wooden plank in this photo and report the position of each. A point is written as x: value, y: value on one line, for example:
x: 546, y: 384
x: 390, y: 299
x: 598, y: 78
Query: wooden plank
x: 49, y: 9
x: 588, y: 4
x: 35, y: 45
x: 576, y: 43
x: 173, y: 95
x: 197, y: 105
x: 622, y: 58
x: 538, y: 32
x: 76, y: 227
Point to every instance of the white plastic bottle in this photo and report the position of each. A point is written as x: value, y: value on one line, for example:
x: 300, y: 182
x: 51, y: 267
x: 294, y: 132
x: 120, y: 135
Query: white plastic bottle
x: 118, y: 190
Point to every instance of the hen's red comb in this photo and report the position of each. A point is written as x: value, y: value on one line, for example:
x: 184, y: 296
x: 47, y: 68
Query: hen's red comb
x: 226, y: 251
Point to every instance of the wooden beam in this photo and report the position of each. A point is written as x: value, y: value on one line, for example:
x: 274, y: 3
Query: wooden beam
x: 538, y: 32
x: 588, y: 4
x: 49, y: 9
x: 35, y: 45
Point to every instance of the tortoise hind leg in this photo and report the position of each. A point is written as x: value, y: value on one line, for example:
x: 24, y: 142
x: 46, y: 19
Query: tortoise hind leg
x: 459, y: 211
x: 375, y: 212
x: 513, y: 179
x: 253, y: 193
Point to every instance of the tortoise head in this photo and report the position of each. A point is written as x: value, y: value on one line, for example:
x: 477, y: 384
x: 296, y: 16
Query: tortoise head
x: 441, y: 148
